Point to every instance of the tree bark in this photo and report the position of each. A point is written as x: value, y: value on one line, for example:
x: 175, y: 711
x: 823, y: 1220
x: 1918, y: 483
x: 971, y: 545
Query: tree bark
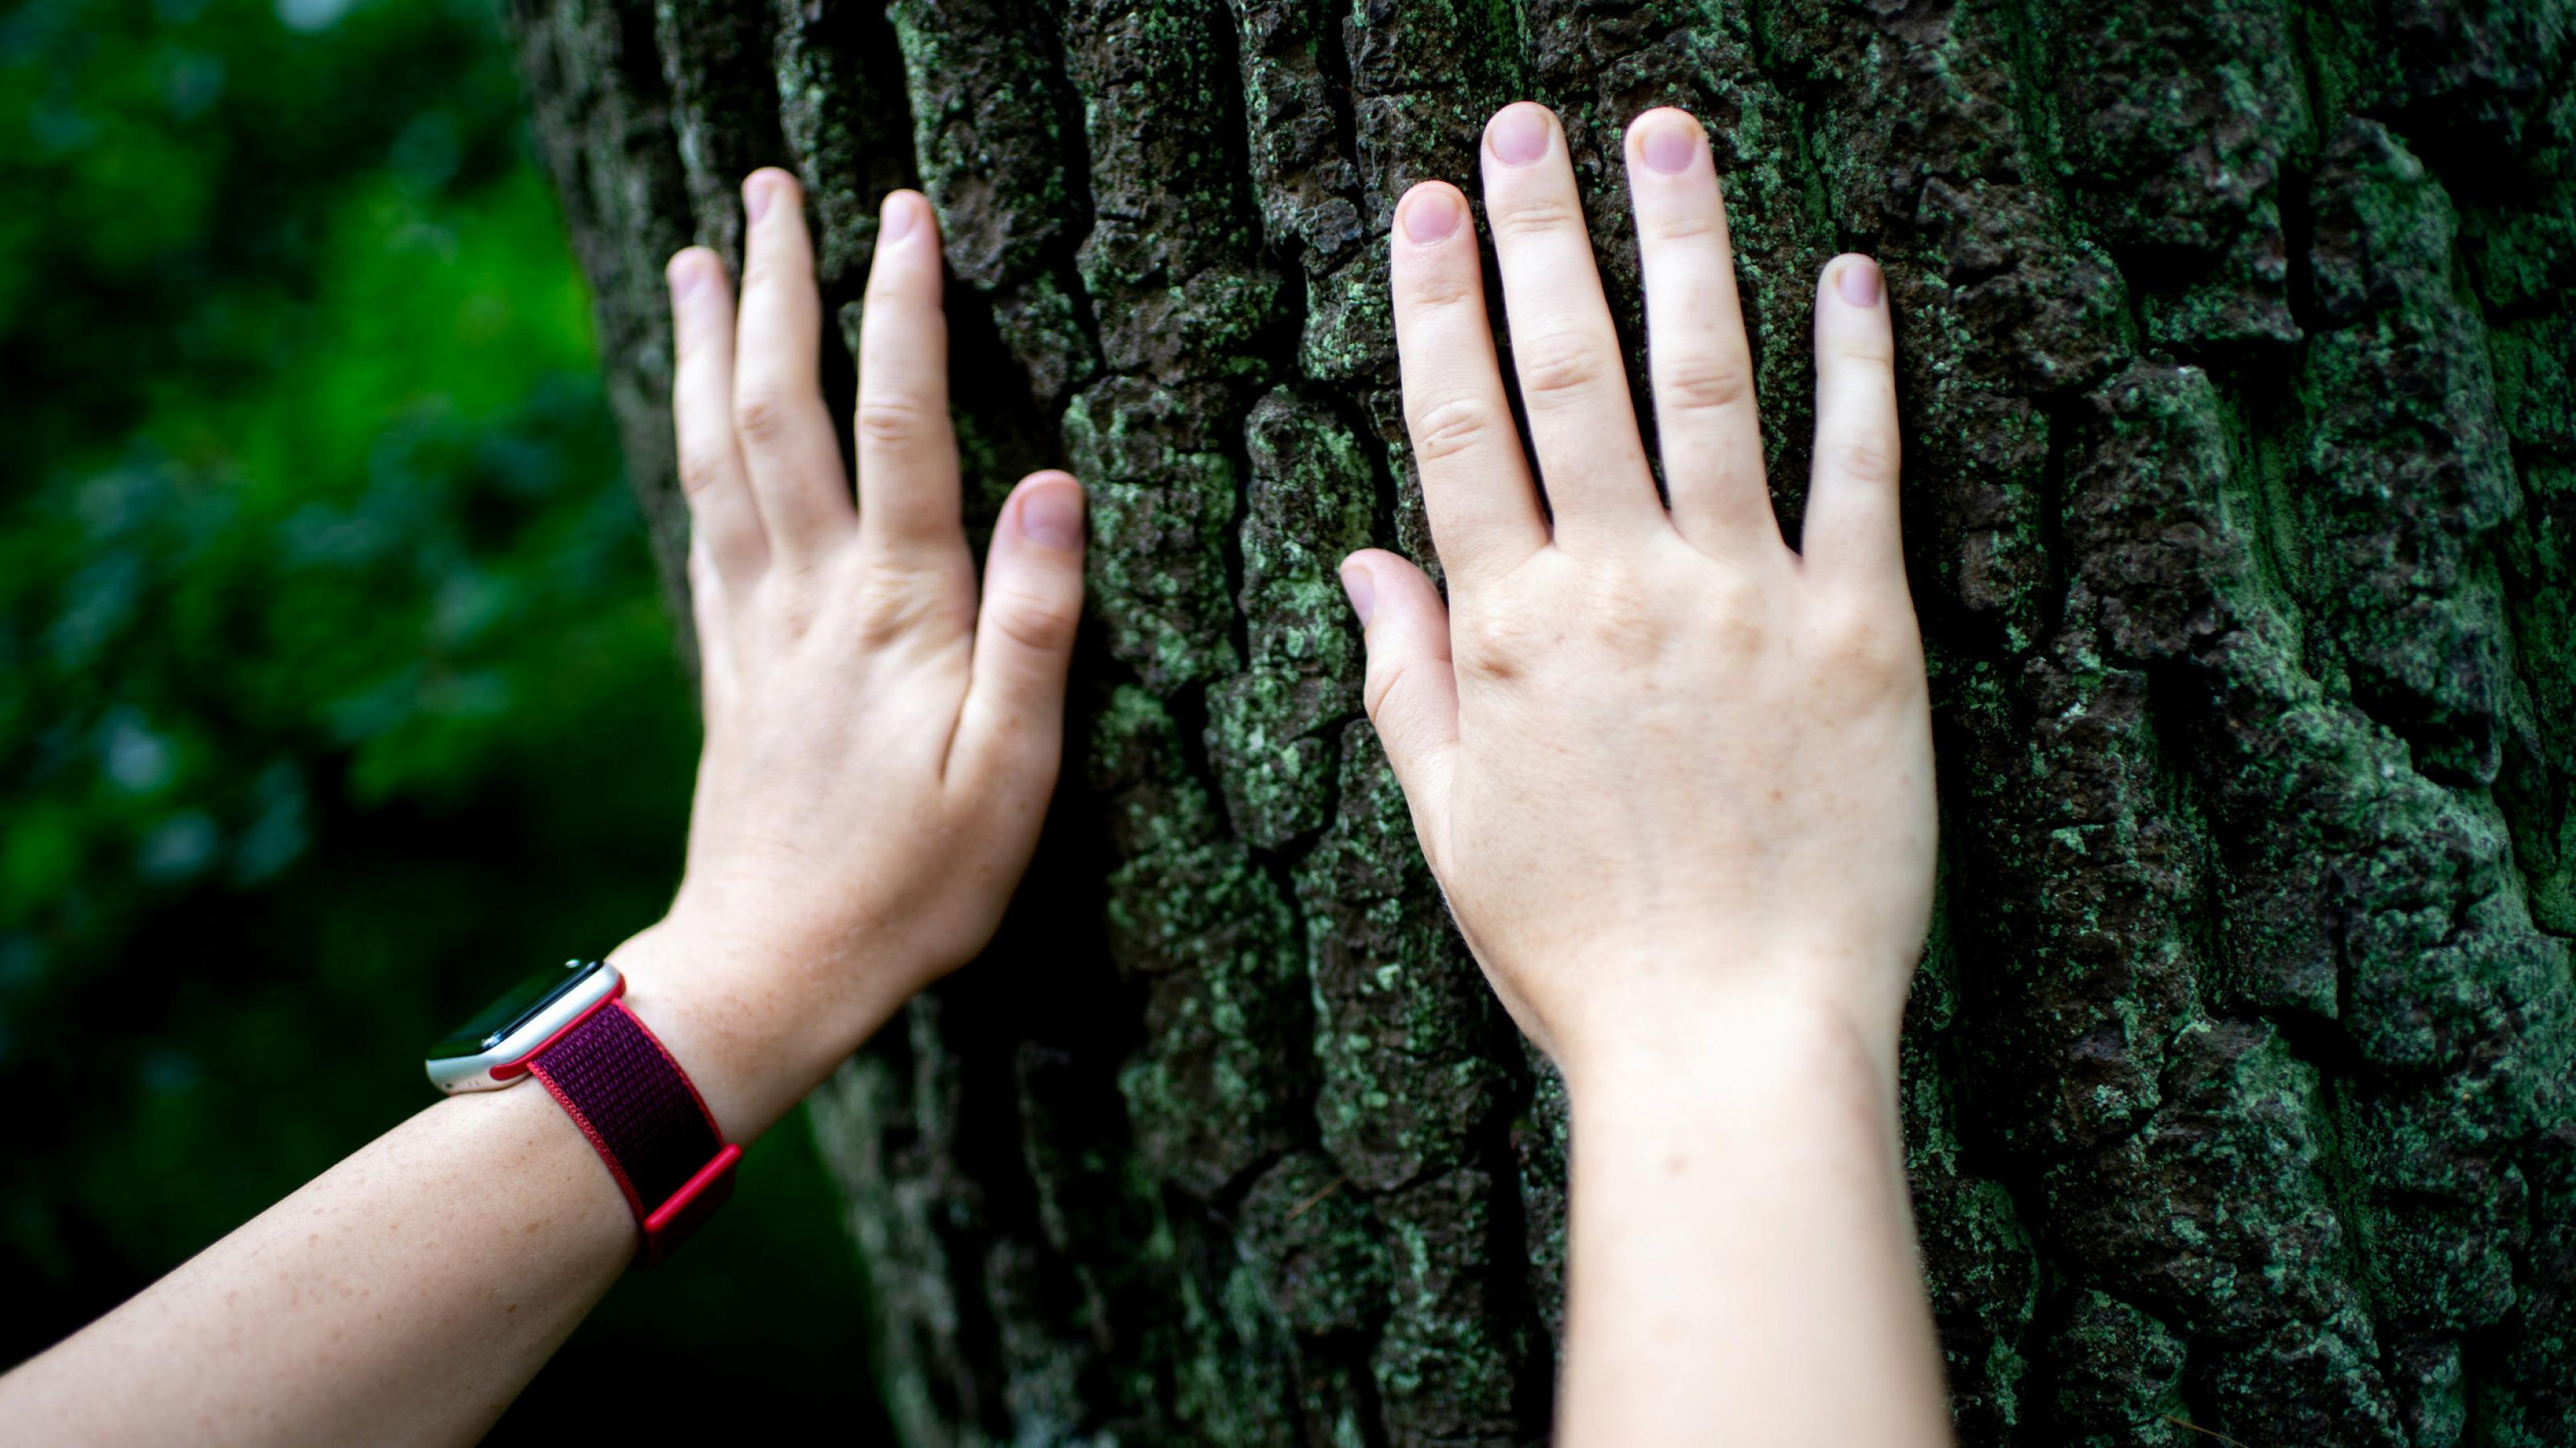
x: 2241, y: 477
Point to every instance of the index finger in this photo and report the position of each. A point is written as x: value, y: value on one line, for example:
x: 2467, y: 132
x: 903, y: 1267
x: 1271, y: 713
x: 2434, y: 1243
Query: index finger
x: 1475, y: 481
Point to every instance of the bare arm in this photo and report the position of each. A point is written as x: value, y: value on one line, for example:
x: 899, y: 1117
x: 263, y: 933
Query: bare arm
x: 1676, y: 780
x: 877, y: 760
x: 1743, y: 1250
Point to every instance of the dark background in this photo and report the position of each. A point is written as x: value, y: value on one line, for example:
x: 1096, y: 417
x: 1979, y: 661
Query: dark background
x: 335, y: 687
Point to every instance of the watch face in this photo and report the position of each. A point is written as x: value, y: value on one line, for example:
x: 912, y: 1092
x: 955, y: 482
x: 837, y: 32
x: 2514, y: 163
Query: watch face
x: 521, y: 1005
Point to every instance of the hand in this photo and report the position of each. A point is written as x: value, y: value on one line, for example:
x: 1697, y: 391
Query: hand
x: 876, y: 762
x: 877, y: 757
x: 1663, y: 765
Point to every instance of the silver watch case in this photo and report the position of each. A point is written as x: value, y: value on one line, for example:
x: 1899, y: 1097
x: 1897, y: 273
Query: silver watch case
x: 488, y: 1069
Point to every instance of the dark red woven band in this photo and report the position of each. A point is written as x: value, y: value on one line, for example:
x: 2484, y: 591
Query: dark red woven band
x: 636, y: 1105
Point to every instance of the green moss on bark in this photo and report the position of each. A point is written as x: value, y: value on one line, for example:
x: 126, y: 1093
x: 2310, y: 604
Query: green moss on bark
x: 2241, y: 495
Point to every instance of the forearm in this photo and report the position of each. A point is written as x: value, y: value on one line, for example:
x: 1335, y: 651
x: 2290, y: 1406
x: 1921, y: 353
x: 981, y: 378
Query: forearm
x: 878, y: 755
x: 1744, y: 1266
x: 406, y: 1295
x: 409, y: 1293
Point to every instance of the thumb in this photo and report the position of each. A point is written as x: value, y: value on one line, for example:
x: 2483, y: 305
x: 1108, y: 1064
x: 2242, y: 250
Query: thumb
x: 1412, y: 693
x: 1013, y: 718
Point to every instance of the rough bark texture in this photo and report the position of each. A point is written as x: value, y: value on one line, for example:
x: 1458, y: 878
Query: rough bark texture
x: 2241, y: 481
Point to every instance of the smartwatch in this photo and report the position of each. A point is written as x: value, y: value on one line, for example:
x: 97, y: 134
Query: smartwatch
x: 570, y: 1030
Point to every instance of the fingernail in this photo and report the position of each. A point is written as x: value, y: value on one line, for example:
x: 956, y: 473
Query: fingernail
x: 756, y: 198
x: 1669, y: 145
x: 685, y: 273
x: 1362, y: 590
x: 897, y: 220
x: 1431, y: 213
x: 1519, y: 134
x: 1858, y: 282
x: 1051, y: 516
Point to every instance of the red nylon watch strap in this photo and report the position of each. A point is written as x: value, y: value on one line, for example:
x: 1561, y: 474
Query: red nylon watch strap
x: 626, y: 1093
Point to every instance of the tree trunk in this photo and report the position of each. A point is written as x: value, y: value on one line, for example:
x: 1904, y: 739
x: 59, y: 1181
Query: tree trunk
x: 2241, y: 477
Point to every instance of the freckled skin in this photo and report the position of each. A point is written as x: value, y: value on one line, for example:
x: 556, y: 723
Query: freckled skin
x: 880, y: 745
x: 1676, y: 783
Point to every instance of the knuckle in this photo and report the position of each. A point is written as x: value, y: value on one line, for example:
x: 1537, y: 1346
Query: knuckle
x: 701, y: 467
x: 1686, y: 224
x: 1739, y: 633
x: 1385, y: 676
x: 1535, y: 216
x: 1861, y: 347
x: 1491, y: 645
x: 762, y: 415
x: 1866, y: 453
x: 891, y: 421
x: 764, y: 271
x: 1041, y: 622
x: 1696, y: 381
x: 1866, y: 654
x: 1739, y: 615
x: 1439, y: 287
x: 881, y: 621
x: 1560, y: 364
x: 898, y: 591
x: 1452, y: 427
x: 901, y: 296
x: 690, y: 345
x: 786, y: 601
x: 1624, y: 618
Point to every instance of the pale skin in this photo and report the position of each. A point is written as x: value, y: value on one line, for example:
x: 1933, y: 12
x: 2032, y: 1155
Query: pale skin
x: 1674, y: 778
x: 878, y: 756
x: 1676, y: 781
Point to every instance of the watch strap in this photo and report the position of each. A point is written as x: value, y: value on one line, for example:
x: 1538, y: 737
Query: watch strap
x: 622, y: 1087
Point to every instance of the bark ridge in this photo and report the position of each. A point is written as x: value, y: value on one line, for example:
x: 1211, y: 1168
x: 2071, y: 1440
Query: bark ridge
x: 2240, y: 490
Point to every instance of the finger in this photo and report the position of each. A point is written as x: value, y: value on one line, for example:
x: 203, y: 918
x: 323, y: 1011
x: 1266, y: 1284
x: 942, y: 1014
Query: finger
x: 707, y: 608
x: 1573, y: 384
x: 787, y: 442
x: 1852, y: 526
x: 1710, y: 433
x: 1411, y: 692
x: 907, y: 447
x: 721, y: 514
x: 1475, y: 484
x: 1012, y: 724
x: 1412, y: 698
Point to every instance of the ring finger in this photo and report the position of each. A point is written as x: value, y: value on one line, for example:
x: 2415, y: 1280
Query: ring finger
x: 788, y: 445
x: 1703, y: 371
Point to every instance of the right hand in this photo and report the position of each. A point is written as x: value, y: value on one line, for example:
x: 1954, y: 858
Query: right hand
x: 1666, y: 769
x: 880, y: 746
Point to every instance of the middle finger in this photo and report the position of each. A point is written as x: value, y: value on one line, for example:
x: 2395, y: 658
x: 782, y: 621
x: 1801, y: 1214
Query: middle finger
x: 1573, y: 383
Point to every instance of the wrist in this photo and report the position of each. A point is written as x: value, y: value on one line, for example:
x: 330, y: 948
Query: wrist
x: 756, y: 1019
x: 1716, y: 1040
x: 1796, y: 1095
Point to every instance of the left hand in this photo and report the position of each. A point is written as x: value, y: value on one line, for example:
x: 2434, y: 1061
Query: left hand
x: 878, y: 757
x: 1669, y: 771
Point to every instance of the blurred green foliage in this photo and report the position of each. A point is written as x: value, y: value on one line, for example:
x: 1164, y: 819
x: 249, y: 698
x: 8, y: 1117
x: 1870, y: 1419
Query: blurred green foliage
x: 336, y: 690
